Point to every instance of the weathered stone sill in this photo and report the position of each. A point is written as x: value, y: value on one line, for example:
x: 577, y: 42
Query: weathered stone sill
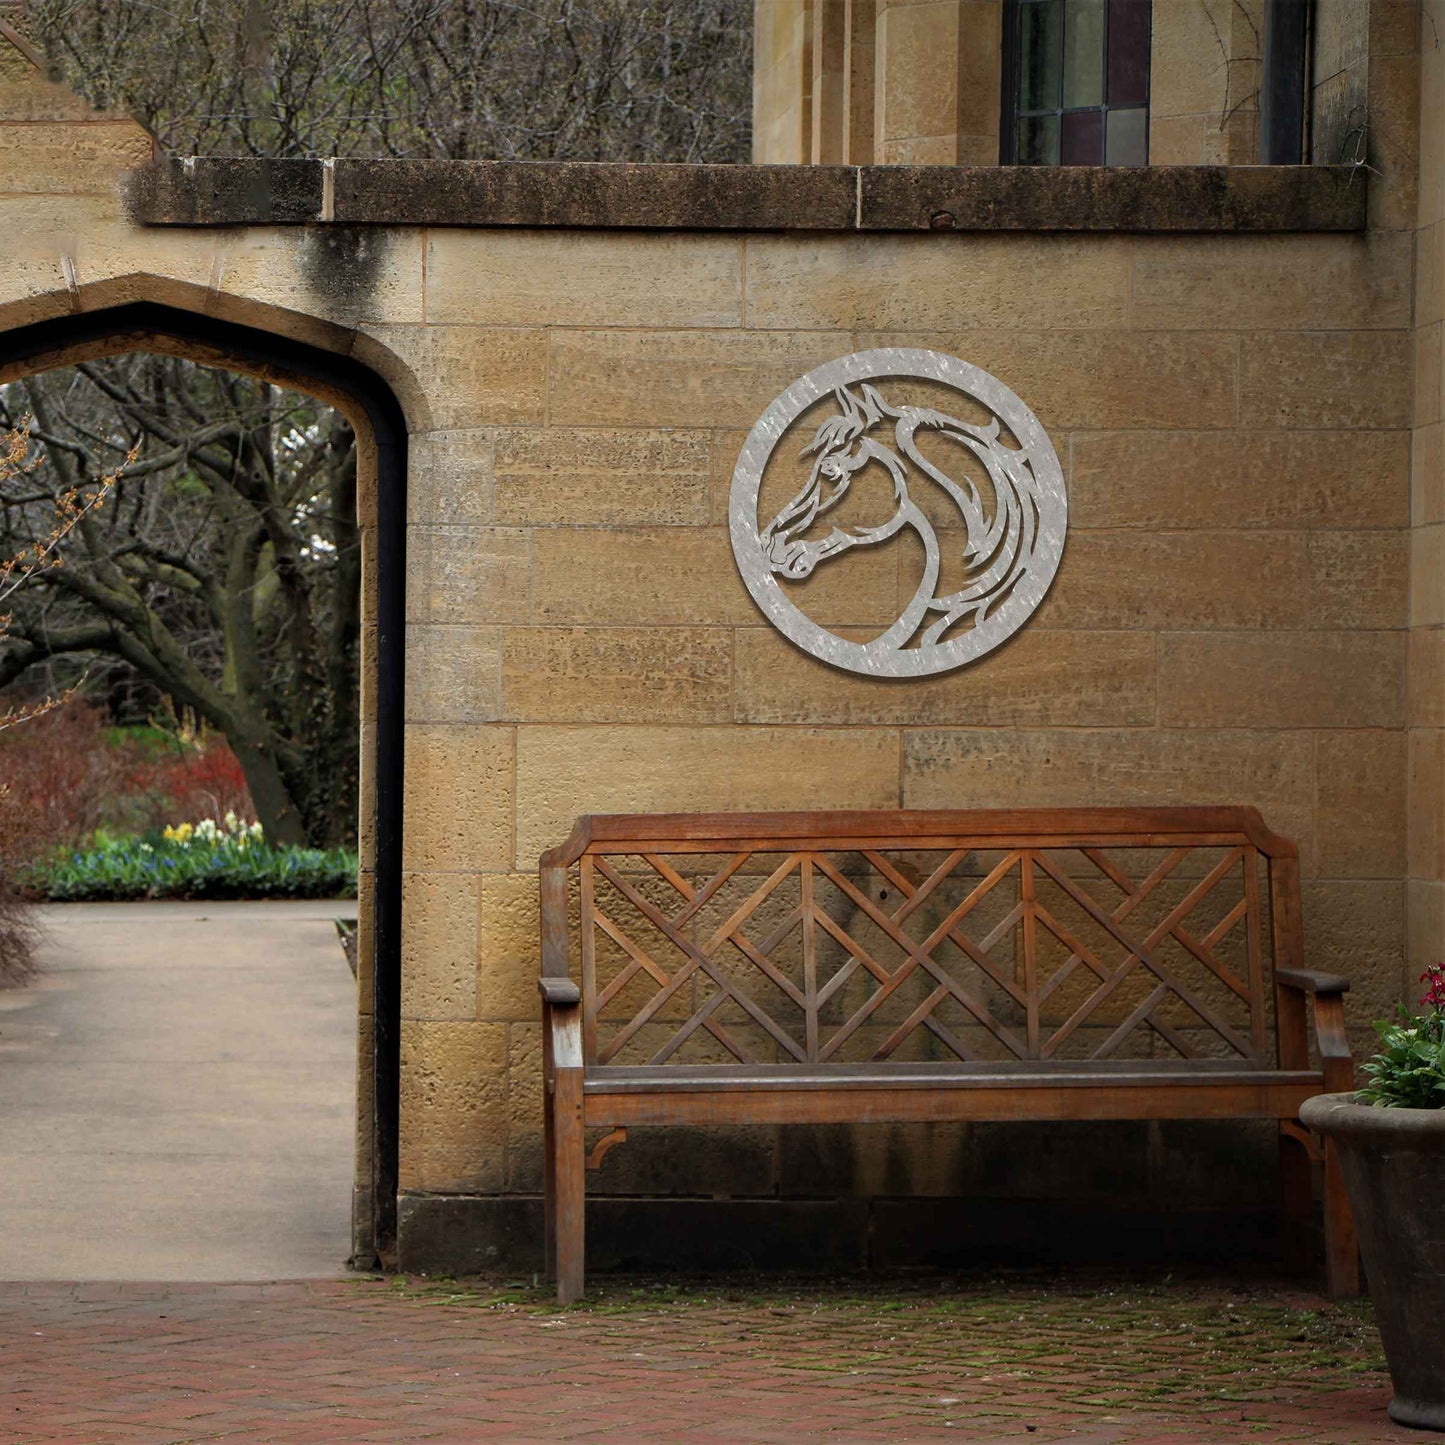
x: 221, y: 192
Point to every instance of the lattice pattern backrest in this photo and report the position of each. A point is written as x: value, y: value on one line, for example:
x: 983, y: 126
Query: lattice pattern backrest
x: 892, y: 947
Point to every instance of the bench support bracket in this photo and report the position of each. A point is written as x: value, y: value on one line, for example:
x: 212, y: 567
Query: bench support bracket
x: 606, y: 1142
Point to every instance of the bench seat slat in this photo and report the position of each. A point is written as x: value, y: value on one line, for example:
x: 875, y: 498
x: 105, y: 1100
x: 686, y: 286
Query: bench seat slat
x: 1087, y: 1073
x: 1257, y: 1095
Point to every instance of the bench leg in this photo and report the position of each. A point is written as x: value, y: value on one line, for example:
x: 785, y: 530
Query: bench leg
x: 567, y: 1185
x: 549, y: 1174
x: 1342, y: 1252
x: 1296, y: 1205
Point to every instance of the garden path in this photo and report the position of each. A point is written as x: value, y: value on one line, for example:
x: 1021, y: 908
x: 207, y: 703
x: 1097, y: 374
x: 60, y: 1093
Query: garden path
x: 178, y: 1091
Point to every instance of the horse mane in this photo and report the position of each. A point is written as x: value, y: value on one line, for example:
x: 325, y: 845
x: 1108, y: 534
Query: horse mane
x: 856, y: 417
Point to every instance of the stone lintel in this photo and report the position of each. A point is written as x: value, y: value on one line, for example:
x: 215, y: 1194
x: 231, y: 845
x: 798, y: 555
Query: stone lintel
x: 603, y: 195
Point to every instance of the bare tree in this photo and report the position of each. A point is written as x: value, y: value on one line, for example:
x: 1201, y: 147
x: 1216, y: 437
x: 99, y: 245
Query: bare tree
x: 224, y: 568
x: 633, y: 80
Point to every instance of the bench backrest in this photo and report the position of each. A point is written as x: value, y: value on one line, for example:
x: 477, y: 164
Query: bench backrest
x: 843, y: 937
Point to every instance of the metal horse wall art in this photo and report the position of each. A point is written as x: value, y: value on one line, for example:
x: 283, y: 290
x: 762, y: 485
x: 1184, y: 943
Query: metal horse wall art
x: 1011, y: 543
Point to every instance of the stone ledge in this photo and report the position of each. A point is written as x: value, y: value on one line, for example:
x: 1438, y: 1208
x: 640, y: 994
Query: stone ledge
x: 1103, y: 198
x: 586, y: 195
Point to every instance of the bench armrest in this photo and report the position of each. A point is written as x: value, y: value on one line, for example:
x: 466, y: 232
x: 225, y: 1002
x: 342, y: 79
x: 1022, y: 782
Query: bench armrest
x: 559, y: 992
x: 1311, y: 980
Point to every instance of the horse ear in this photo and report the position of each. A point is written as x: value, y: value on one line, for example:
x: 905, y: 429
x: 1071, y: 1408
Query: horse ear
x: 875, y: 408
x: 847, y: 403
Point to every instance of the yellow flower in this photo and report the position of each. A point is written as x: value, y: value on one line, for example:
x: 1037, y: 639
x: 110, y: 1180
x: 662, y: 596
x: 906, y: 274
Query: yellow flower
x: 178, y: 835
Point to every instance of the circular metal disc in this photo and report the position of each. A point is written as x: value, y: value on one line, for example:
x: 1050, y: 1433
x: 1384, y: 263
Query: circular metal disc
x: 1039, y: 546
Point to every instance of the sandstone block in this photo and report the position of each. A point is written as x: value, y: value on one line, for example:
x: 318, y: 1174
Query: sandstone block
x: 1428, y: 373
x: 1426, y: 818
x: 1282, y: 680
x: 365, y: 938
x: 348, y: 275
x: 569, y: 476
x: 724, y: 447
x: 468, y: 575
x: 55, y: 158
x: 897, y: 283
x: 1394, y: 91
x: 1359, y: 579
x: 1180, y: 82
x: 1037, y: 678
x: 687, y: 576
x: 1185, y: 480
x: 583, y: 278
x: 1430, y: 274
x: 937, y: 73
x: 679, y: 378
x: 1178, y: 140
x: 618, y: 674
x: 563, y: 772
x: 458, y: 810
x: 1361, y: 804
x: 1036, y: 768
x: 1427, y: 474
x: 524, y: 1106
x: 508, y: 953
x: 1326, y: 379
x: 1265, y: 283
x: 453, y: 1106
x: 1424, y: 930
x: 1125, y: 379
x: 1425, y: 680
x: 462, y: 376
x: 439, y: 946
x: 453, y: 674
x: 1179, y: 580
x: 1427, y: 575
x: 451, y: 477
x: 1356, y: 929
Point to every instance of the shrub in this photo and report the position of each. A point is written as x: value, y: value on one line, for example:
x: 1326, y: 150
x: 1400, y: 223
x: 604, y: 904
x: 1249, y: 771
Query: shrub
x: 18, y: 930
x: 1409, y: 1070
x: 58, y: 773
x: 18, y: 933
x: 69, y: 774
x: 196, y: 861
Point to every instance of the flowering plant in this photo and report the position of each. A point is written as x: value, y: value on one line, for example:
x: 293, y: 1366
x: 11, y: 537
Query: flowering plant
x: 231, y: 832
x: 1409, y: 1070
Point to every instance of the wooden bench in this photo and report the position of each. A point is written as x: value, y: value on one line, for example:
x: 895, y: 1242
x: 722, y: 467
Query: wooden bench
x: 1101, y: 963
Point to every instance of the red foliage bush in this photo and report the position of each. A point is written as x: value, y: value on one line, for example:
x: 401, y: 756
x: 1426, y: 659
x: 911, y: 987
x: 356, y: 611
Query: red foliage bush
x: 65, y: 777
x: 58, y: 772
x: 203, y: 783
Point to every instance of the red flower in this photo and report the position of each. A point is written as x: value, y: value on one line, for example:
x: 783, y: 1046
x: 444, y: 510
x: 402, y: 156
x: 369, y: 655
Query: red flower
x: 1434, y: 978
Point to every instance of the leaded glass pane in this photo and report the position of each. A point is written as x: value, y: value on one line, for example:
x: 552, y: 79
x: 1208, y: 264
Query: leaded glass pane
x: 1127, y: 138
x: 1039, y: 140
x: 1040, y: 44
x: 1083, y: 54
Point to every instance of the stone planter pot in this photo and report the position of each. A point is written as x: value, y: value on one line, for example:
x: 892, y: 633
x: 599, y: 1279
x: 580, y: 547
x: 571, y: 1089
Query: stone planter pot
x: 1394, y: 1167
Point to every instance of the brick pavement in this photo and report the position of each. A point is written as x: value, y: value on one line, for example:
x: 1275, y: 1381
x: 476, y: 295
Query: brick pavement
x: 1091, y: 1362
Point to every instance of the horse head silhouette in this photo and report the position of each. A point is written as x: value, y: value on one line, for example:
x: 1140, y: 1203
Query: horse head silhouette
x: 999, y: 538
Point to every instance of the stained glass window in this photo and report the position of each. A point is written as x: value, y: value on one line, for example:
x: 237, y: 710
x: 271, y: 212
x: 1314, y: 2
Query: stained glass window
x: 1079, y: 88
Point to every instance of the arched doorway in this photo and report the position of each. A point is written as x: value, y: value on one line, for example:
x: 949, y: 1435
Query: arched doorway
x: 377, y: 417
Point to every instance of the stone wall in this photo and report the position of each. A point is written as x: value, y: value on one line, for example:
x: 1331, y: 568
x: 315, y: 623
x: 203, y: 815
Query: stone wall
x: 1230, y: 622
x: 1426, y: 715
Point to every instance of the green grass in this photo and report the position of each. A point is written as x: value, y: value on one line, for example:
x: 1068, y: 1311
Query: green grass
x: 151, y: 866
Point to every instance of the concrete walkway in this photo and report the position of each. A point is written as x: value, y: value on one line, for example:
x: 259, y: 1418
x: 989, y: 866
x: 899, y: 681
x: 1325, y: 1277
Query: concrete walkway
x: 176, y: 1095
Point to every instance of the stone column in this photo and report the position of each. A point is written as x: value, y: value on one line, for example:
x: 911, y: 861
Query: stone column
x: 937, y: 82
x: 783, y: 81
x: 1204, y: 78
